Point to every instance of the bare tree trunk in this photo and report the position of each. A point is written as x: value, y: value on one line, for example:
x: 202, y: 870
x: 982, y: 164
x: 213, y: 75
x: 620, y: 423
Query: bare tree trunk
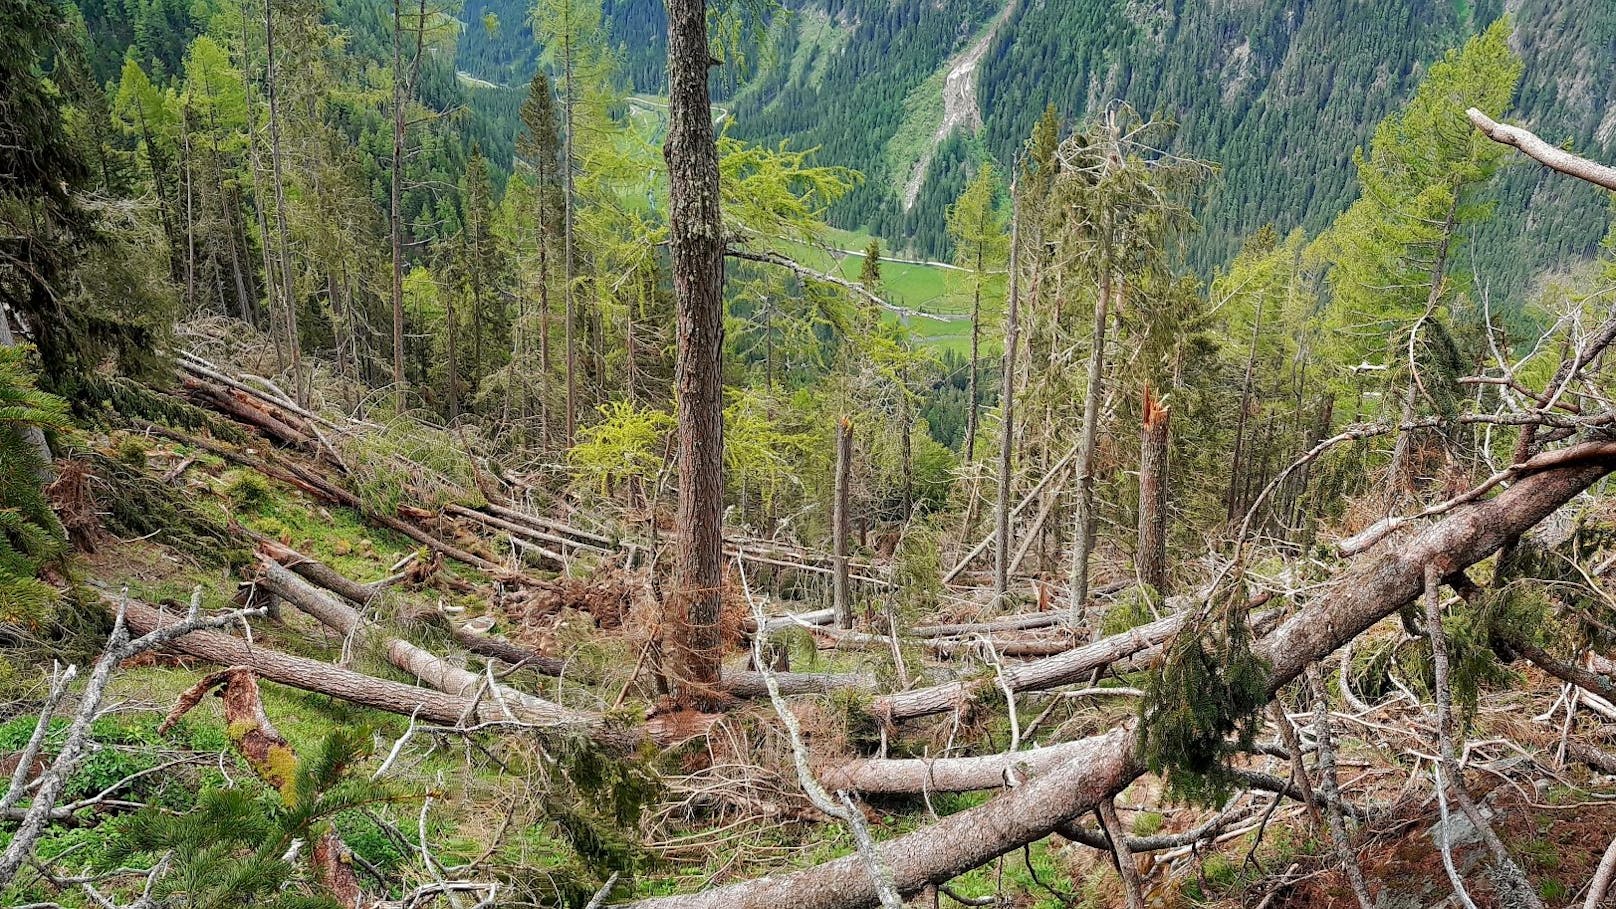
x: 1007, y: 434
x: 1083, y: 519
x: 190, y: 207
x: 1236, y: 493
x: 544, y: 316
x: 841, y: 595
x: 570, y: 327
x: 1126, y: 869
x: 453, y: 365
x: 272, y: 289
x: 1153, y: 450
x: 395, y: 216
x: 1330, y: 788
x: 289, y: 299
x: 971, y: 393
x: 1400, y: 483
x: 906, y: 426
x: 696, y: 240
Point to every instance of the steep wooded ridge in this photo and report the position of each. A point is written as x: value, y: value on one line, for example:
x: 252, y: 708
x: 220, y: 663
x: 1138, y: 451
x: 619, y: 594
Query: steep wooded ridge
x: 1273, y: 91
x: 391, y: 519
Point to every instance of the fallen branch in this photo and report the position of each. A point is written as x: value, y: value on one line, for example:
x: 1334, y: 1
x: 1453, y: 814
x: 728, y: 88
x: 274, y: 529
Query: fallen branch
x: 75, y: 745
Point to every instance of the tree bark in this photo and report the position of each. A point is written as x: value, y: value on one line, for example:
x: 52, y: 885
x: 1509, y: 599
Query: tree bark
x: 841, y: 593
x: 696, y: 241
x: 971, y: 393
x: 289, y: 314
x: 570, y: 328
x: 1544, y: 153
x: 395, y: 214
x: 1153, y: 448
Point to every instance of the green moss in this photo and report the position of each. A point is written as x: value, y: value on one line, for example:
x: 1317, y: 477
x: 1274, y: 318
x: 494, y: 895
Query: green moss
x: 132, y: 450
x: 247, y: 490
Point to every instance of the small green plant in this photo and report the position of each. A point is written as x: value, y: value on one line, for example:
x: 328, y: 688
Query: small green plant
x: 132, y: 450
x: 247, y: 490
x: 625, y: 445
x: 1148, y: 823
x: 229, y: 851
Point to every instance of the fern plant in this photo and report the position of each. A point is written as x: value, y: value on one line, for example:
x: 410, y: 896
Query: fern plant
x: 31, y: 537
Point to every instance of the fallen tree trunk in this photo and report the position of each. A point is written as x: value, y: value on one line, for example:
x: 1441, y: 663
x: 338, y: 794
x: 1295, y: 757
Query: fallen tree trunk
x: 1061, y: 669
x: 1011, y: 623
x: 748, y: 684
x: 317, y: 572
x: 323, y: 575
x: 1367, y: 592
x: 424, y: 665
x: 519, y: 529
x: 489, y: 646
x: 967, y: 774
x: 435, y: 706
x: 314, y: 675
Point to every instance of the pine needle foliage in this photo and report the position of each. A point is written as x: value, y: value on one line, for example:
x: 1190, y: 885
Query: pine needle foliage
x: 31, y: 537
x: 1211, y: 686
x: 229, y: 851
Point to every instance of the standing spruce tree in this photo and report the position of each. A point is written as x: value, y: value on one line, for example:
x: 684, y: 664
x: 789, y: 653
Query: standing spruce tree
x: 696, y: 240
x: 540, y: 146
x: 1121, y: 208
x: 1390, y: 254
x: 980, y: 244
x: 570, y: 33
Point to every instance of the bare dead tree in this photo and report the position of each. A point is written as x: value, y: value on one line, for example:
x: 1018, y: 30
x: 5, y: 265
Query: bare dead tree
x: 841, y: 594
x: 1153, y: 447
x: 1007, y: 431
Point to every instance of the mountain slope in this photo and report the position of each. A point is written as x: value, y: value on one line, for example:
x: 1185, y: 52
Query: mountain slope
x: 1278, y: 92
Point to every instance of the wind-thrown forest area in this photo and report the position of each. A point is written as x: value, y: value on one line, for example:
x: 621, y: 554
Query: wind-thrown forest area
x: 421, y: 491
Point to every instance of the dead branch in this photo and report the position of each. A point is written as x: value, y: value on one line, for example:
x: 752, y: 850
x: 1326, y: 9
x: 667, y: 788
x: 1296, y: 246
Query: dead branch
x: 266, y: 751
x: 1542, y: 152
x: 75, y: 746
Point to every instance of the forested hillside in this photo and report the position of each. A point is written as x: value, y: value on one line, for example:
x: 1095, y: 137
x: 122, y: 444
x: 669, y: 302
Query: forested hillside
x: 1278, y: 93
x: 472, y: 456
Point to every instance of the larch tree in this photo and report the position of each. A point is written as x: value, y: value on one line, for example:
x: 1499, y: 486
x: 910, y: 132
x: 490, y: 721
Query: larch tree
x: 1390, y: 255
x: 697, y: 243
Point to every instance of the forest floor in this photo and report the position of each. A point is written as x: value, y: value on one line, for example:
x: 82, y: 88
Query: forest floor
x: 727, y: 806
